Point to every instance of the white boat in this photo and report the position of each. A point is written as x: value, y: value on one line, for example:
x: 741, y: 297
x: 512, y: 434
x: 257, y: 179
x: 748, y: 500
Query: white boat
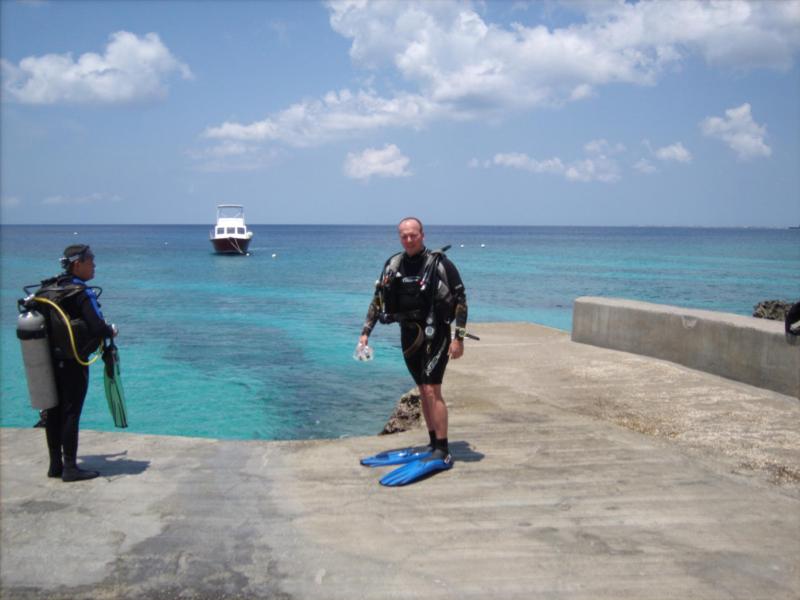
x: 230, y: 235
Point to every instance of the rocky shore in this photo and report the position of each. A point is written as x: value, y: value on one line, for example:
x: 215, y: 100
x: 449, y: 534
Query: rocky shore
x: 406, y: 415
x: 772, y: 309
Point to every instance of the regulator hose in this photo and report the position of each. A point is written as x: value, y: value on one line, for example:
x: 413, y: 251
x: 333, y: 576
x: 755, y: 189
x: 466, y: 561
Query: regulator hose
x: 69, y: 331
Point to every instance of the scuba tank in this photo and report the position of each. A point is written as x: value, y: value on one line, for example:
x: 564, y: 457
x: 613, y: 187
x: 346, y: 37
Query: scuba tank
x: 32, y: 334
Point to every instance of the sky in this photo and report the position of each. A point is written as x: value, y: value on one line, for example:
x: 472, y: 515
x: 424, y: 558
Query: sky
x: 674, y: 113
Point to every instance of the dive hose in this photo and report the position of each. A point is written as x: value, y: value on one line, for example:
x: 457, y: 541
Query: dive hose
x: 69, y: 331
x: 417, y: 341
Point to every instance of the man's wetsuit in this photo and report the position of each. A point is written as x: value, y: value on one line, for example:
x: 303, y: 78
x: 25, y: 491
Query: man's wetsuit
x: 426, y: 359
x: 72, y: 378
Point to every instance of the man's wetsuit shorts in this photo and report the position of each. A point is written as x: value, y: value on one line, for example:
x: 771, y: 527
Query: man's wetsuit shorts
x: 428, y: 361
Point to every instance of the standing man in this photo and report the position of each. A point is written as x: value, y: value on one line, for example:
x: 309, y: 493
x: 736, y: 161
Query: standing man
x: 79, y: 302
x: 421, y: 290
x: 792, y: 320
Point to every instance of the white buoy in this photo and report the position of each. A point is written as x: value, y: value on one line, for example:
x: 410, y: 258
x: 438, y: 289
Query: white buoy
x: 462, y: 245
x: 274, y: 255
x: 483, y: 245
x: 74, y: 233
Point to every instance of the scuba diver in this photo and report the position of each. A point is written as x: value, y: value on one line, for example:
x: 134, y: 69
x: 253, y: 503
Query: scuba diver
x: 422, y: 291
x: 792, y: 320
x: 79, y: 303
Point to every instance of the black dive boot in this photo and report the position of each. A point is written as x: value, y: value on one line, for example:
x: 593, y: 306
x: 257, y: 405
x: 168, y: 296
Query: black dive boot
x: 71, y: 472
x: 56, y: 466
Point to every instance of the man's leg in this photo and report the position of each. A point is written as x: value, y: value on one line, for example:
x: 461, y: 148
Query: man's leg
x: 414, y: 355
x: 435, y: 411
x: 434, y: 408
x: 53, y: 427
x: 72, y: 381
x: 433, y: 367
x: 426, y: 414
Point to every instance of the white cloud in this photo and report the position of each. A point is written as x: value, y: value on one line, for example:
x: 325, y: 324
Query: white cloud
x: 450, y: 53
x: 518, y: 160
x: 739, y: 131
x: 581, y: 91
x: 337, y: 115
x: 388, y: 161
x: 231, y: 156
x: 603, y: 147
x: 456, y: 65
x: 96, y: 197
x: 645, y: 166
x: 597, y: 167
x: 131, y: 69
x: 593, y: 169
x: 674, y: 152
x: 733, y: 34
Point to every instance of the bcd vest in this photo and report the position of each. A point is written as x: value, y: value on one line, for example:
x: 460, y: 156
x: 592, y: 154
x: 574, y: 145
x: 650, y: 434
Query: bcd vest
x: 63, y: 291
x: 428, y: 293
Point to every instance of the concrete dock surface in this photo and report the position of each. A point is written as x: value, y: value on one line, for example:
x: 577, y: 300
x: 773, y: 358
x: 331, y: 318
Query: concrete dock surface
x: 581, y: 473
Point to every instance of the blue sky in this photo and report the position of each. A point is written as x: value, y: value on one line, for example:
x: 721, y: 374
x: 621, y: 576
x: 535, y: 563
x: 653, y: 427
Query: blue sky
x: 523, y: 113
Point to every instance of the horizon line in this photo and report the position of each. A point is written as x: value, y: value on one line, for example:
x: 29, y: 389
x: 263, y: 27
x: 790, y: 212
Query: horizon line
x: 518, y: 226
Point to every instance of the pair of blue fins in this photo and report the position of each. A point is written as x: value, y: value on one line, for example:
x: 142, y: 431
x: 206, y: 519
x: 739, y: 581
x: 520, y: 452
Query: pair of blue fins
x: 416, y: 463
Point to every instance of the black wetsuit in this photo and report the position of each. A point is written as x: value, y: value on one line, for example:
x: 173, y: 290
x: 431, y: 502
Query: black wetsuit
x: 792, y: 317
x: 72, y: 378
x: 426, y: 359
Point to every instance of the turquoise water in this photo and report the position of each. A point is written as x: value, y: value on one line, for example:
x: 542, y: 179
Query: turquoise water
x: 260, y: 347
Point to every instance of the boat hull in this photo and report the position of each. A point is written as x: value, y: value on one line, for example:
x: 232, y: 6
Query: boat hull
x: 230, y: 245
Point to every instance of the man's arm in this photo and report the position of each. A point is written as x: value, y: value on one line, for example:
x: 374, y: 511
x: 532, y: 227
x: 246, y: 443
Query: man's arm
x: 374, y: 310
x: 460, y: 316
x: 91, y: 314
x: 372, y: 317
x: 459, y: 295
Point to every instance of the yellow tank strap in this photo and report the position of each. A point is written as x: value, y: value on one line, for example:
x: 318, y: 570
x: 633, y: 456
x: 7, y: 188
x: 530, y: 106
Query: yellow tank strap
x: 69, y: 331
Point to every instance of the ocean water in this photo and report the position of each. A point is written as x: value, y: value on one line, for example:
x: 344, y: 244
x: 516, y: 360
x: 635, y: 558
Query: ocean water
x: 260, y: 347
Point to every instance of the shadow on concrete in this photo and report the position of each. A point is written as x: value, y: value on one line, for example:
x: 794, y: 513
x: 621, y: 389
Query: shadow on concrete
x: 462, y: 451
x: 111, y: 464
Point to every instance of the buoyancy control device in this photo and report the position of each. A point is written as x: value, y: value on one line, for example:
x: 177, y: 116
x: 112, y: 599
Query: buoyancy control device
x: 432, y: 283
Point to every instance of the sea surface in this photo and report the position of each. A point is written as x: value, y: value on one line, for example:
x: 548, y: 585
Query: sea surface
x: 260, y: 346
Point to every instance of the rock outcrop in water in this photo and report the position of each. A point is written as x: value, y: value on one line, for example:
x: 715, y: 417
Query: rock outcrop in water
x: 772, y: 309
x: 406, y: 413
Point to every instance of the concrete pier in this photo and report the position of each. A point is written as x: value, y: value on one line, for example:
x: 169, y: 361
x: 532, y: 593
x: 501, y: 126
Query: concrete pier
x: 581, y: 473
x: 754, y: 351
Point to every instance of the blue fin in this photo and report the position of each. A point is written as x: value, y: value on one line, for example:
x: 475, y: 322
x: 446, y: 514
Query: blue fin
x: 417, y: 470
x: 399, y: 456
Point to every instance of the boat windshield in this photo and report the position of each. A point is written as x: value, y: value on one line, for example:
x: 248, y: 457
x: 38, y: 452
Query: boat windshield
x: 230, y: 211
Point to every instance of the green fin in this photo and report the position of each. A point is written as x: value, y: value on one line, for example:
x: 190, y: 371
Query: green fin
x: 112, y: 382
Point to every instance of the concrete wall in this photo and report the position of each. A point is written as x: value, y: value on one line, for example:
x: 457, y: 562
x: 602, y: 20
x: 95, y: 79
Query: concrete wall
x: 754, y: 351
